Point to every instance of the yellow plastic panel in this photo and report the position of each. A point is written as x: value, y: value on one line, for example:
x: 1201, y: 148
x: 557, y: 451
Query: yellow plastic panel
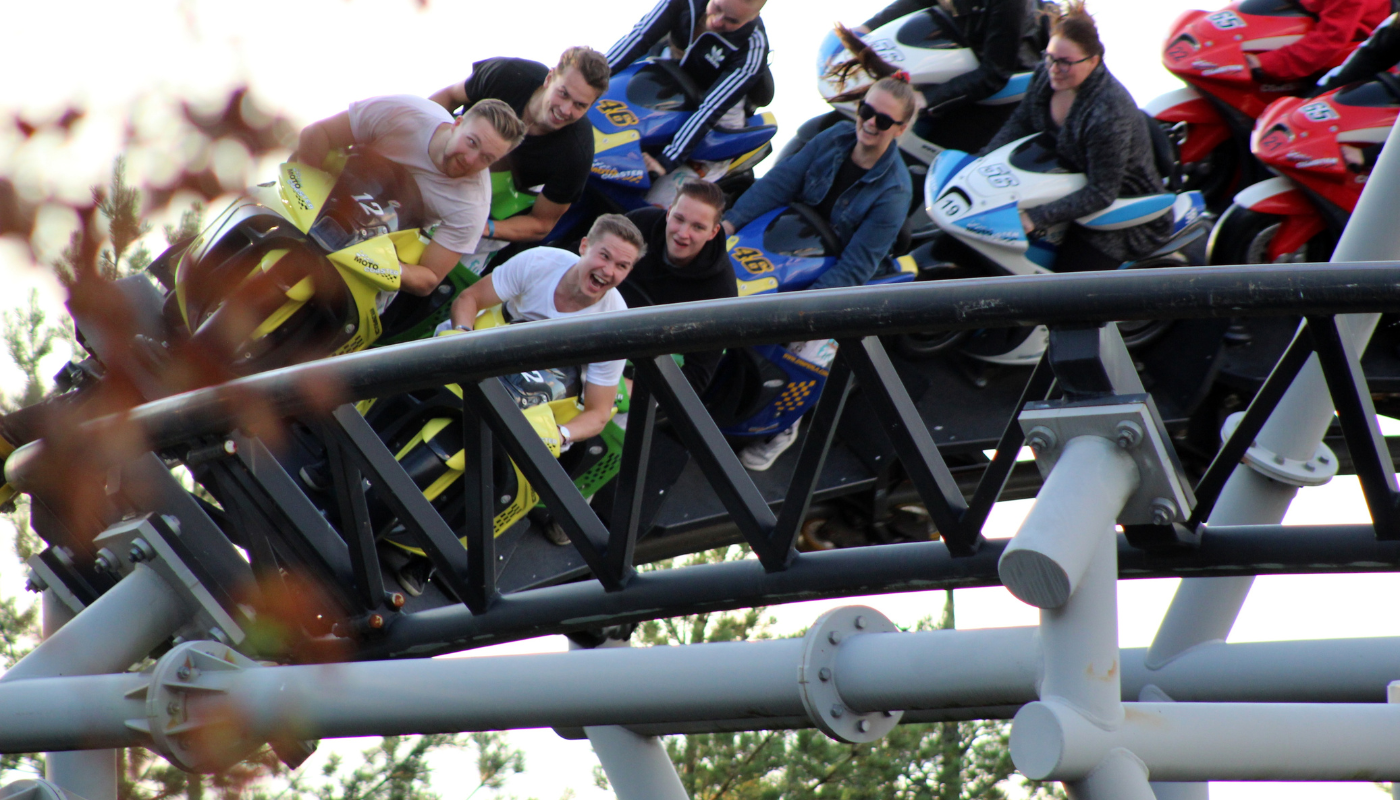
x: 303, y: 191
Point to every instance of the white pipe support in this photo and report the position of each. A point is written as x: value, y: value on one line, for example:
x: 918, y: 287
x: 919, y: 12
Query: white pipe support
x: 79, y: 713
x: 939, y: 669
x: 120, y: 628
x: 1050, y: 740
x: 637, y: 767
x: 1046, y: 561
x: 1079, y: 641
x: 1120, y: 776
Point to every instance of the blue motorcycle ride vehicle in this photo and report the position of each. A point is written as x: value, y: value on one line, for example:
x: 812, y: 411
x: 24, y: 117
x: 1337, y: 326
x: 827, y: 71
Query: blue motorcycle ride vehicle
x: 758, y: 391
x: 643, y: 108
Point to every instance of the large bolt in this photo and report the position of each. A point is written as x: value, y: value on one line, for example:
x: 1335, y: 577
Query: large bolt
x: 34, y: 583
x: 141, y: 550
x: 230, y: 446
x: 824, y: 674
x: 860, y: 623
x: 1129, y: 434
x: 863, y: 725
x: 350, y: 328
x: 838, y: 710
x: 184, y: 672
x: 376, y: 621
x: 834, y: 637
x: 1163, y: 511
x: 106, y: 561
x: 1040, y: 440
x: 396, y: 599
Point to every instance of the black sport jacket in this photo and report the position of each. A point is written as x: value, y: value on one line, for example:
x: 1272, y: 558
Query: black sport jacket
x: 730, y: 64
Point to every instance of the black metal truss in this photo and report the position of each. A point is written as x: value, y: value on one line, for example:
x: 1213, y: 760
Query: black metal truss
x: 281, y: 526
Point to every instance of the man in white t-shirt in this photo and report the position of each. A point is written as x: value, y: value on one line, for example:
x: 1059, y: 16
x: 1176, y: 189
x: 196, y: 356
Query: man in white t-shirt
x: 449, y: 160
x: 547, y: 283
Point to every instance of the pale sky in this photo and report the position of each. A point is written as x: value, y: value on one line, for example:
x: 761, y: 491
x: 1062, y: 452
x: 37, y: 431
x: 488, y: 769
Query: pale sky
x: 307, y: 59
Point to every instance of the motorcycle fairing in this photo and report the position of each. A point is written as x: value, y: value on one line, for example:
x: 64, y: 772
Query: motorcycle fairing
x: 1207, y: 50
x: 944, y: 166
x: 645, y: 106
x: 302, y: 191
x: 1125, y: 212
x: 1013, y: 92
x: 804, y: 385
x: 1301, y: 138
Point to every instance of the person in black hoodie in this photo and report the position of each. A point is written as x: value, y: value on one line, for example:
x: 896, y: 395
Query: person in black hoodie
x: 685, y: 261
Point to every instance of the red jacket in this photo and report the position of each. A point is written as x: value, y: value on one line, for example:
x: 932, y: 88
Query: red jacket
x: 1341, y: 23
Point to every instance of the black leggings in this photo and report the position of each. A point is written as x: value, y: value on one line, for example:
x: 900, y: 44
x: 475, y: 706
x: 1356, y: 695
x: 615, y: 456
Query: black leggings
x: 1078, y: 255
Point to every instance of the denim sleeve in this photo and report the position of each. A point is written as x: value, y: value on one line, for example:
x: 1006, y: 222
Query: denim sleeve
x: 781, y: 186
x: 870, y: 243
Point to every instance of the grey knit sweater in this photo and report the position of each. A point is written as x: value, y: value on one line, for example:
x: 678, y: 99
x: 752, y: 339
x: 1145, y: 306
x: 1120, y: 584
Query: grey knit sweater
x: 1105, y: 137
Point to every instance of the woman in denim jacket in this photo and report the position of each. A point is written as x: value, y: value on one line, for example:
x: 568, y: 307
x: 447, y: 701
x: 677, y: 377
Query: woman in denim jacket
x: 853, y: 176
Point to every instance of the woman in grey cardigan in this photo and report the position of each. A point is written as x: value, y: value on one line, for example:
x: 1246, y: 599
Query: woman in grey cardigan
x: 1098, y: 131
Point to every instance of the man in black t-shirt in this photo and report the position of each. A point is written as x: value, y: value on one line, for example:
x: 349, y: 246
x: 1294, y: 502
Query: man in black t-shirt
x: 686, y: 260
x: 551, y: 166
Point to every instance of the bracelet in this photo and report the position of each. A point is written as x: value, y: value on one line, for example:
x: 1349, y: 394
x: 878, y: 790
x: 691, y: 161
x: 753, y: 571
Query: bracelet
x: 461, y: 327
x: 491, y: 228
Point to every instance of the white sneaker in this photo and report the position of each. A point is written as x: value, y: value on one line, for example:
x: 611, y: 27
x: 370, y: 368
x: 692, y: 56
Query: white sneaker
x: 760, y: 456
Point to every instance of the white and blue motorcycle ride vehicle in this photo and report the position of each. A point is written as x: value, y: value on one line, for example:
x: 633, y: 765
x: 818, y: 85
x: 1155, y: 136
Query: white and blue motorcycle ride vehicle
x: 976, y: 202
x: 929, y: 45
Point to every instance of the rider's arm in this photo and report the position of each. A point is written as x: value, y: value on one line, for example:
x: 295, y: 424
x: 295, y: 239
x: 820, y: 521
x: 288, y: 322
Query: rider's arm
x: 534, y: 226
x: 648, y: 31
x: 729, y: 89
x: 1021, y: 122
x: 783, y: 183
x: 892, y: 12
x: 451, y: 97
x: 997, y: 59
x: 422, y: 278
x: 1336, y: 28
x: 870, y: 243
x: 597, y: 410
x: 1106, y: 150
x: 479, y: 295
x: 319, y: 138
x: 1377, y: 54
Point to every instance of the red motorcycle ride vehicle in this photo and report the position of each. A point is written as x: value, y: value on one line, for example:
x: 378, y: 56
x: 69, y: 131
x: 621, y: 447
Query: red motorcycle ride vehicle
x: 1211, y: 118
x: 1317, y: 147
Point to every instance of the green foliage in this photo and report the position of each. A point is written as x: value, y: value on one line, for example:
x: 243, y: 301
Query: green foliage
x: 121, y: 205
x: 29, y: 338
x: 397, y: 769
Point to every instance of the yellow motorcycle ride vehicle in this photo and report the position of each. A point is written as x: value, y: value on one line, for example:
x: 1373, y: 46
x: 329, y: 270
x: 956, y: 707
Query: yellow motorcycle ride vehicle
x: 423, y: 430
x: 304, y: 266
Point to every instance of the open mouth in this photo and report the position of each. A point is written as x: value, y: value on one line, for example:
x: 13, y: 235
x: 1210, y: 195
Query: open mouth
x: 559, y: 119
x: 597, y: 282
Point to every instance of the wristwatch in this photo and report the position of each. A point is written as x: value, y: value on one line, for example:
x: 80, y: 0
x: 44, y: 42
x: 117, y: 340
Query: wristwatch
x: 564, y: 437
x: 461, y: 327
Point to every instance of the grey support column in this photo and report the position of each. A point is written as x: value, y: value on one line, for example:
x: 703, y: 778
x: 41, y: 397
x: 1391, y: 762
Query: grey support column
x: 637, y: 766
x: 120, y: 628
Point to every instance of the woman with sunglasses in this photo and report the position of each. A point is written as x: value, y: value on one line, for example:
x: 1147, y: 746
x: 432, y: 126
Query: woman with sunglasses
x: 1098, y: 131
x: 854, y: 177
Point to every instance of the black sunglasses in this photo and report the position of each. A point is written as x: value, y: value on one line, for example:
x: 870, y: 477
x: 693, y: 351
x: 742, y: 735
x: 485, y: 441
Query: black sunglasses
x: 882, y: 121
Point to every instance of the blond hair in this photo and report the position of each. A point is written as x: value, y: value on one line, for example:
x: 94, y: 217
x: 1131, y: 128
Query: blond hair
x: 589, y: 63
x: 621, y: 227
x: 500, y: 117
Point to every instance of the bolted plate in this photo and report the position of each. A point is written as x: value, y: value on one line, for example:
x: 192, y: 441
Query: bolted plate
x: 1163, y: 484
x: 817, y: 676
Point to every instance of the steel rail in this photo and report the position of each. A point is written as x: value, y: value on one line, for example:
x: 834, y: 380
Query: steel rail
x: 886, y: 569
x: 1178, y: 293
